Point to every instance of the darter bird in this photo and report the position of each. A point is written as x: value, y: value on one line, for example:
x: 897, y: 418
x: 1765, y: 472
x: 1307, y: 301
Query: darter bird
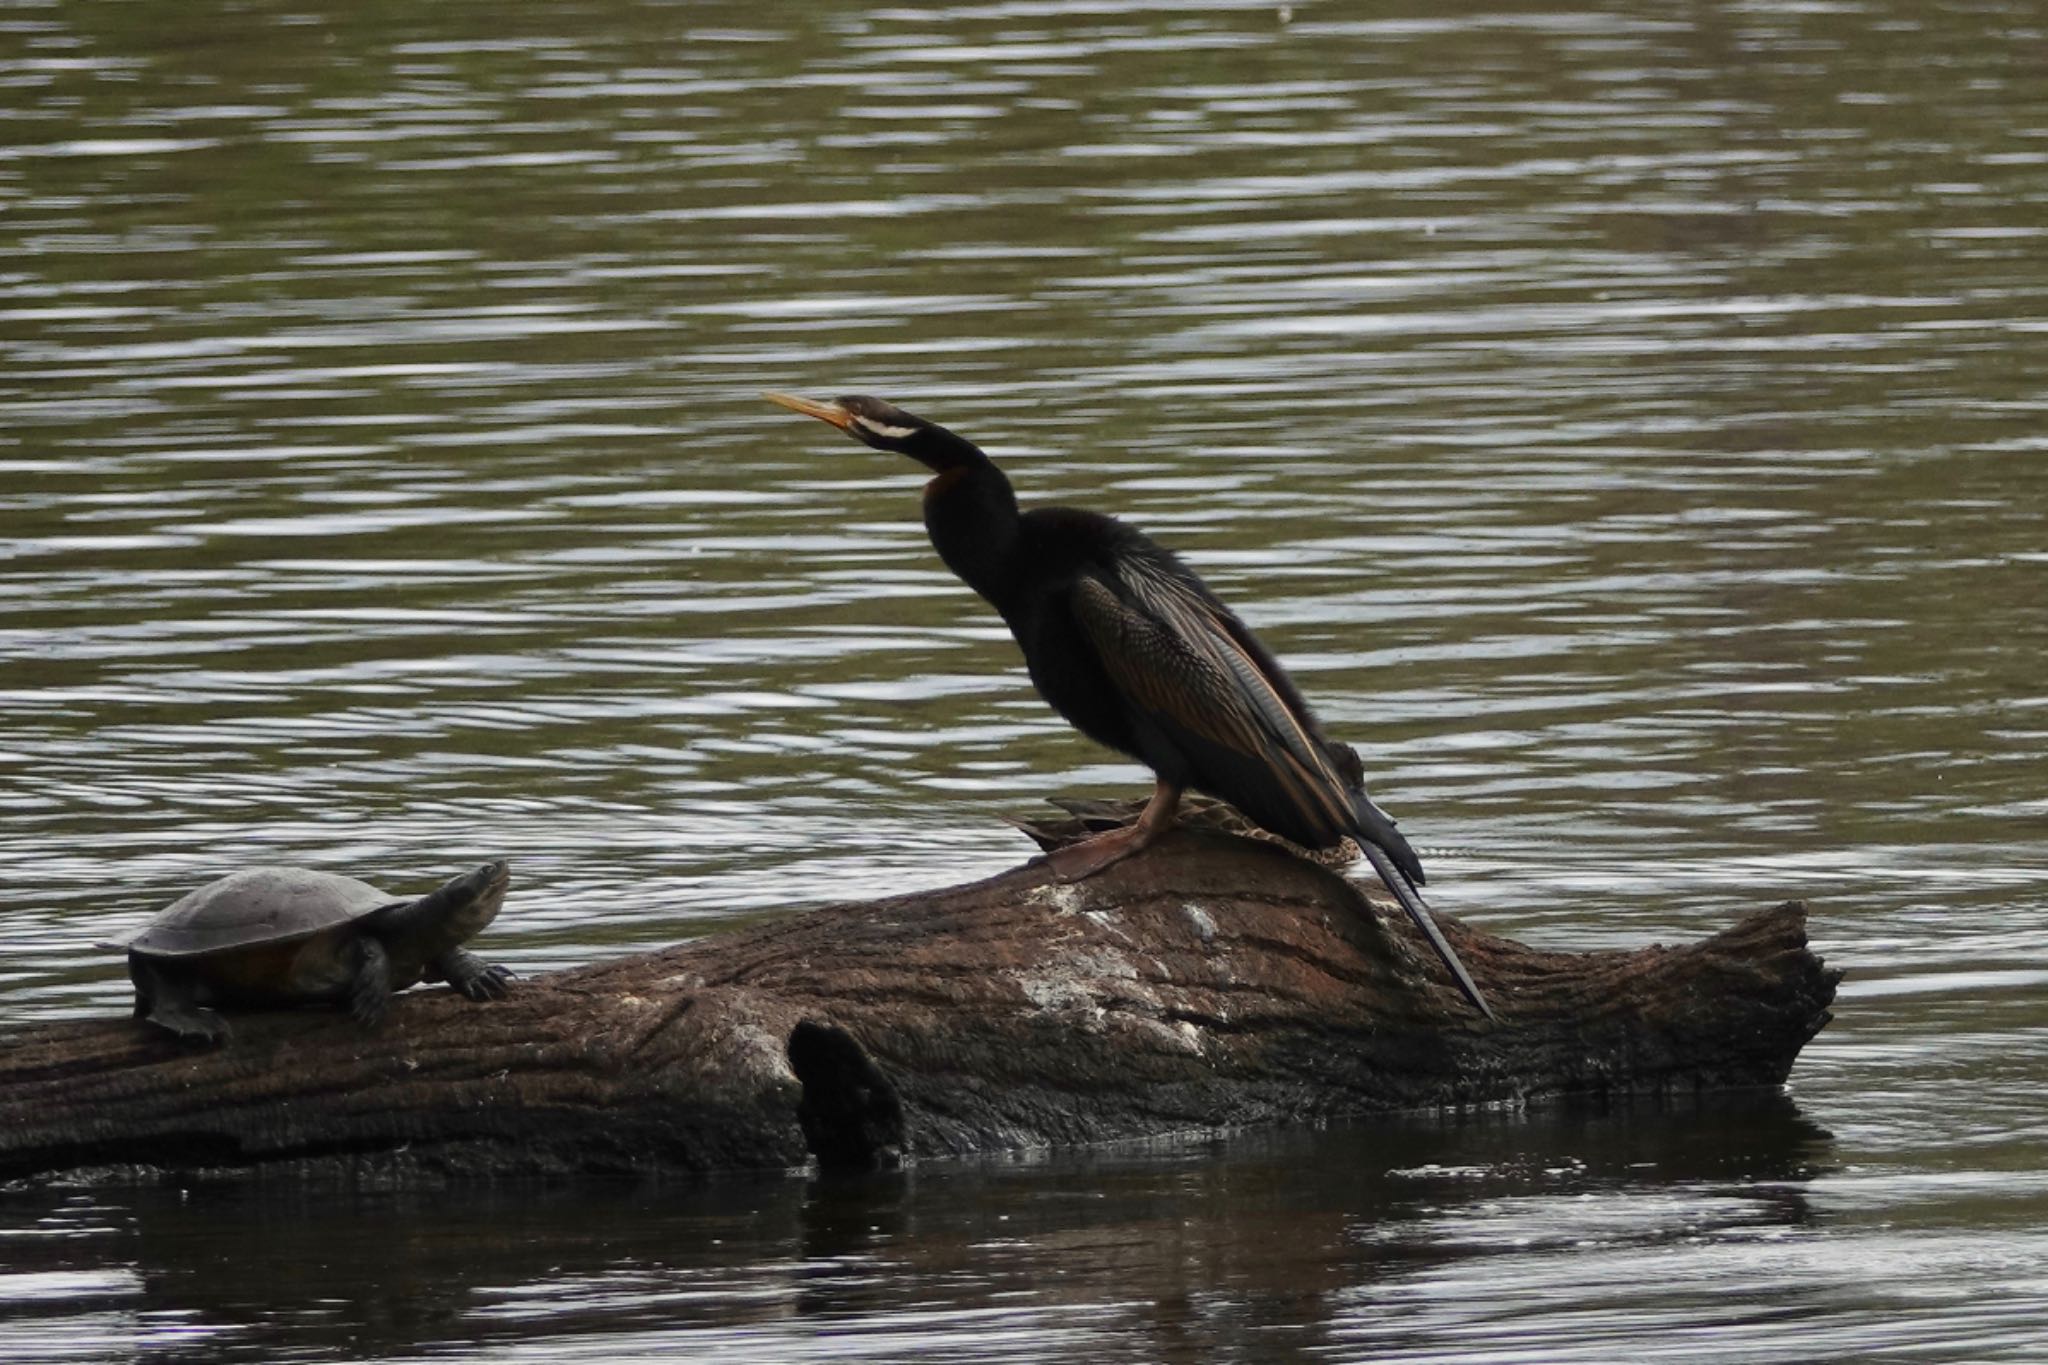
x: 1130, y: 645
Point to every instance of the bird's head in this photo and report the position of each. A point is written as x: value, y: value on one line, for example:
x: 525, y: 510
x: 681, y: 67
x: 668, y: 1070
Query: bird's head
x: 887, y: 427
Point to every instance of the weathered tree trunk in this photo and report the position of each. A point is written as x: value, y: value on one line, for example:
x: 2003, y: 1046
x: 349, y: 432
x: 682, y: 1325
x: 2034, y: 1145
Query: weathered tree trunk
x: 1209, y: 982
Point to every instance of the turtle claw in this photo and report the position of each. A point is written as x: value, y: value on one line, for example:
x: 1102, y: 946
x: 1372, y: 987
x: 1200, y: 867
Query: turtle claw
x: 369, y: 1008
x: 192, y: 1024
x: 470, y: 974
x: 492, y: 983
x: 170, y: 1003
x: 369, y: 998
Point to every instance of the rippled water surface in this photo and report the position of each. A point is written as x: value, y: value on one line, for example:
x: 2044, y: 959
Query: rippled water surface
x: 1627, y: 420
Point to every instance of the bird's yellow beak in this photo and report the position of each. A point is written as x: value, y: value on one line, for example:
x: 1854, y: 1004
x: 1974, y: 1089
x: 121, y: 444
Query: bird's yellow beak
x: 811, y: 407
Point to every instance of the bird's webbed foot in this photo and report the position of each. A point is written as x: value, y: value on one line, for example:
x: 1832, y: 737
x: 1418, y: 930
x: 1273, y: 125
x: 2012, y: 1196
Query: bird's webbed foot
x: 1078, y: 862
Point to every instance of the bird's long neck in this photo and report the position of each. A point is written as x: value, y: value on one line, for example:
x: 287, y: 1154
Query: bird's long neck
x: 971, y: 512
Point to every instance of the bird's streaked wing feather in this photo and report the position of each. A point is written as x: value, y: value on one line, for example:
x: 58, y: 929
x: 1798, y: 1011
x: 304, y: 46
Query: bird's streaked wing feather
x: 1176, y: 654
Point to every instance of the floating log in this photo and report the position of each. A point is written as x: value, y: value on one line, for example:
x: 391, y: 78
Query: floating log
x: 1210, y: 982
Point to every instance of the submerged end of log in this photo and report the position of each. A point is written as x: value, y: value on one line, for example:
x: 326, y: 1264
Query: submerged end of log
x: 1211, y: 982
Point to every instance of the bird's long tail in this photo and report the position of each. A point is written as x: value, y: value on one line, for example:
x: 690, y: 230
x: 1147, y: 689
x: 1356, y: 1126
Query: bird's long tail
x: 1378, y: 827
x: 1411, y: 901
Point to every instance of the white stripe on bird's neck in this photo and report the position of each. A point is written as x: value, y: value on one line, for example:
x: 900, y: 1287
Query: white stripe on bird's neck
x: 884, y: 429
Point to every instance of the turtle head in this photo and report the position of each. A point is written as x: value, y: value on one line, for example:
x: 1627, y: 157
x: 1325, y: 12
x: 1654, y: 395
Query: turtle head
x: 471, y: 901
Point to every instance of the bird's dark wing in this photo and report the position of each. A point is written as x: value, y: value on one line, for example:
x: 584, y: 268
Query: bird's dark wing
x: 1188, y: 666
x: 1193, y: 671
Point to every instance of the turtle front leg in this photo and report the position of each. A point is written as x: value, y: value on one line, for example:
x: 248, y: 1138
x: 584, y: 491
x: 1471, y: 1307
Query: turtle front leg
x: 172, y: 1004
x: 369, y: 995
x: 470, y: 974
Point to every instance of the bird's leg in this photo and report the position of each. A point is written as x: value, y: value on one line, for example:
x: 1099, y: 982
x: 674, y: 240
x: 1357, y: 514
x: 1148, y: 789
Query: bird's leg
x: 1078, y: 861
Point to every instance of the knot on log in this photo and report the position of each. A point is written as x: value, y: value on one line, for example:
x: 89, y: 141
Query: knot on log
x: 850, y: 1114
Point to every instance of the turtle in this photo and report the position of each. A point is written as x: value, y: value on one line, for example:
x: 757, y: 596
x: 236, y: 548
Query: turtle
x: 275, y: 937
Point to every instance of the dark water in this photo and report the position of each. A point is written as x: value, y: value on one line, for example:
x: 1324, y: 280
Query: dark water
x: 1627, y: 420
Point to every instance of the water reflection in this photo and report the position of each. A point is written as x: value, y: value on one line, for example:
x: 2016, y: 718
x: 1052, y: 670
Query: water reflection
x: 1072, y: 1256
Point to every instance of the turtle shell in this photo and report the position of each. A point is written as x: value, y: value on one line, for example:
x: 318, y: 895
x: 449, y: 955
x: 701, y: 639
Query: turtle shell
x: 255, y: 906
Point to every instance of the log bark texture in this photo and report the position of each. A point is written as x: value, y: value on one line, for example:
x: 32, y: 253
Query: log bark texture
x: 1211, y: 982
